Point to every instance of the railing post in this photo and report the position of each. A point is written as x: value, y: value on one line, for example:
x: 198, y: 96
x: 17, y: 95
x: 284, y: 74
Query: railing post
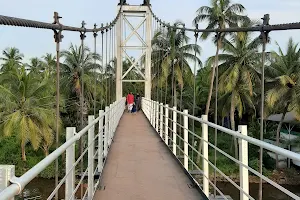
x: 147, y: 109
x: 7, y: 172
x: 150, y: 112
x: 70, y: 159
x: 109, y: 125
x: 243, y: 155
x: 153, y: 113
x: 143, y: 106
x: 174, y: 130
x: 161, y: 119
x: 186, y: 139
x: 91, y: 135
x: 114, y: 120
x: 205, y: 156
x: 106, y: 131
x: 100, y: 142
x: 156, y: 116
x: 167, y: 125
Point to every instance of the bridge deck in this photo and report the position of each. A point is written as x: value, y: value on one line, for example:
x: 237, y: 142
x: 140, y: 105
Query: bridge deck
x: 139, y: 167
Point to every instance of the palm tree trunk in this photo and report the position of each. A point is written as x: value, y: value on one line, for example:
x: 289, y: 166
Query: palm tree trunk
x: 23, y: 151
x: 232, y: 121
x: 166, y: 92
x: 46, y: 151
x: 278, y: 132
x: 175, y: 96
x: 212, y: 78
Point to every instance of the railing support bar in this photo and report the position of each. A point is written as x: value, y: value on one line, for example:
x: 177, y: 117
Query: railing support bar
x: 156, y: 116
x: 110, y: 125
x: 205, y: 156
x: 186, y: 140
x: 174, y: 130
x: 243, y: 156
x: 100, y: 143
x: 91, y: 135
x: 106, y: 132
x: 167, y: 125
x: 70, y: 159
x: 161, y: 119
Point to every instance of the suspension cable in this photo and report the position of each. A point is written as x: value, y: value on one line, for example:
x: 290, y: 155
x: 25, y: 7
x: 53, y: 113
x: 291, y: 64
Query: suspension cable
x: 13, y: 21
x: 260, y: 28
x: 102, y: 71
x: 218, y: 35
x: 157, y: 65
x: 160, y: 62
x: 106, y: 63
x: 173, y: 54
x: 114, y: 64
x: 109, y: 67
x: 166, y: 81
x: 58, y: 37
x: 82, y: 37
x: 264, y: 36
x: 181, y: 89
x: 194, y: 89
x: 111, y: 64
x: 95, y: 53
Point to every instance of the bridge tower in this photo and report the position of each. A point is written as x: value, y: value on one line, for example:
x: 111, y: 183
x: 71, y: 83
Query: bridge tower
x: 140, y: 60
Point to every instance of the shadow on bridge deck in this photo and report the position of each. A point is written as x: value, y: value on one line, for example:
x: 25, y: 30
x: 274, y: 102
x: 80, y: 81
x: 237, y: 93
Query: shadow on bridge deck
x: 139, y: 166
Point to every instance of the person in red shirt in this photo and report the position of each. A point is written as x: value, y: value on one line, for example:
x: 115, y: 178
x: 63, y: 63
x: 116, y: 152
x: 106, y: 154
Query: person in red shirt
x: 130, y: 101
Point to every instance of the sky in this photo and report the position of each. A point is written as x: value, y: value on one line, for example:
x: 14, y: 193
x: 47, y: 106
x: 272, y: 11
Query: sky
x: 37, y: 42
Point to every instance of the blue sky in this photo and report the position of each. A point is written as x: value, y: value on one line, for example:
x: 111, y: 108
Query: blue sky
x: 36, y: 42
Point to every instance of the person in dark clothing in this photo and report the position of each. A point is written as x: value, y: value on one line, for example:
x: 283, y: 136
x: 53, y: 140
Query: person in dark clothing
x: 138, y: 102
x: 133, y: 110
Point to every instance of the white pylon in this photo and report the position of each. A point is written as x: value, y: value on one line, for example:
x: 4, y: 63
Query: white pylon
x: 140, y: 12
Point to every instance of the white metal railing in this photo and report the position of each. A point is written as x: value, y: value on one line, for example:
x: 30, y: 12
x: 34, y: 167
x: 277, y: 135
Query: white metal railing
x: 158, y: 115
x: 107, y: 121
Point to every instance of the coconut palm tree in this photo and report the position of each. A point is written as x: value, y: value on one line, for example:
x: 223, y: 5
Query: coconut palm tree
x: 75, y: 62
x: 49, y: 62
x: 202, y: 85
x: 222, y: 14
x: 11, y: 58
x: 284, y: 73
x: 35, y: 65
x: 172, y: 51
x: 238, y: 74
x: 27, y: 108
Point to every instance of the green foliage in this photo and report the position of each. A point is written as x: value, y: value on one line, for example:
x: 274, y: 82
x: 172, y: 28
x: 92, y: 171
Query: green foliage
x: 10, y: 154
x: 171, y: 56
x: 27, y: 108
x: 27, y: 90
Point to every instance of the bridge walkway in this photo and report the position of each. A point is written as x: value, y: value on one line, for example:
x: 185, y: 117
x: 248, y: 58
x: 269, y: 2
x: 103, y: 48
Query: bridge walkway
x: 140, y: 167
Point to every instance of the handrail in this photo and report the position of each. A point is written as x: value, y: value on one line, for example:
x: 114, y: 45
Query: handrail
x: 237, y: 134
x: 158, y: 116
x: 18, y: 183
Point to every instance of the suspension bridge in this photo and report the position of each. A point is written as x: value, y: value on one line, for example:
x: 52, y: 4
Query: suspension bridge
x: 148, y: 155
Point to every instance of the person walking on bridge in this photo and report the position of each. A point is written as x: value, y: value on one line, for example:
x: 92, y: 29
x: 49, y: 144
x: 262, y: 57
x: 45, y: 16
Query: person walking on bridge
x: 138, y: 102
x: 130, y: 101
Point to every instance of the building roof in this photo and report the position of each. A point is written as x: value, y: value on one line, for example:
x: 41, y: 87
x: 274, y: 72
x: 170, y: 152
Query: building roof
x: 290, y: 117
